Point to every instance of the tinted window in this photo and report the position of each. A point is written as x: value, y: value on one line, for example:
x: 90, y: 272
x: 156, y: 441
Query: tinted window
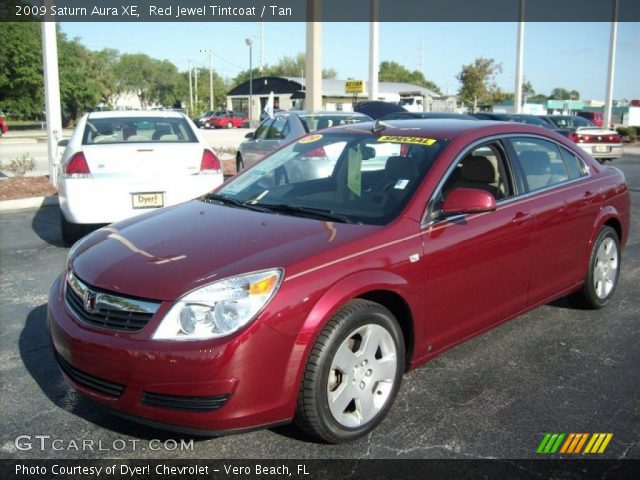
x: 541, y: 162
x: 318, y: 122
x: 263, y: 128
x: 277, y: 129
x: 136, y: 130
x: 575, y: 165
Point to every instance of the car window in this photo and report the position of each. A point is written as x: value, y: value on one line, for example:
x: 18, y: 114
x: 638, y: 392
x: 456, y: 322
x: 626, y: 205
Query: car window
x: 137, y: 130
x: 483, y: 168
x: 363, y: 177
x: 319, y: 122
x: 541, y: 163
x: 575, y: 165
x: 263, y: 128
x: 277, y: 129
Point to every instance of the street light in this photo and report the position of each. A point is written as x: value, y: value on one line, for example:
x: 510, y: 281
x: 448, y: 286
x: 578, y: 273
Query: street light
x: 250, y: 43
x: 210, y: 52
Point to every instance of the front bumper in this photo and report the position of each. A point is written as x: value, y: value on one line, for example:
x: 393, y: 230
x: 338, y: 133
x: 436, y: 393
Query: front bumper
x: 602, y: 150
x: 202, y: 386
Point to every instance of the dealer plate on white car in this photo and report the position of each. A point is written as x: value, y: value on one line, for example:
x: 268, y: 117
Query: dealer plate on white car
x: 601, y: 149
x: 147, y: 199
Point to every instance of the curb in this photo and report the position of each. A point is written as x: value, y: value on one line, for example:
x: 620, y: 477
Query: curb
x: 28, y: 203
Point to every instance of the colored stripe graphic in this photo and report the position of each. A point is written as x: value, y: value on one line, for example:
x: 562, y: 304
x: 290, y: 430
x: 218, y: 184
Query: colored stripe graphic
x: 574, y: 442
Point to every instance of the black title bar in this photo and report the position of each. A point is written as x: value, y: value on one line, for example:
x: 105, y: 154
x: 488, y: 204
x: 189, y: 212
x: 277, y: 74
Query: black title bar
x: 318, y: 10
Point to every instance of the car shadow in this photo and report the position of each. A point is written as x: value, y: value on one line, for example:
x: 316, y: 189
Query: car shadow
x: 37, y: 356
x: 563, y: 303
x: 46, y: 224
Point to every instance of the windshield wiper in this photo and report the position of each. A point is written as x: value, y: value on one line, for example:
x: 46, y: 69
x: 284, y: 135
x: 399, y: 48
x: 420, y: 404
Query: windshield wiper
x: 307, y: 211
x: 235, y: 203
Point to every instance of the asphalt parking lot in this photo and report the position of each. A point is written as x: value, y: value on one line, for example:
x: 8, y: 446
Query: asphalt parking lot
x: 555, y: 369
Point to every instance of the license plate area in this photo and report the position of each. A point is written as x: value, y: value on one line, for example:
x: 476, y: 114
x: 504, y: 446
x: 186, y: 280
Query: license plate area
x: 601, y: 149
x: 147, y: 199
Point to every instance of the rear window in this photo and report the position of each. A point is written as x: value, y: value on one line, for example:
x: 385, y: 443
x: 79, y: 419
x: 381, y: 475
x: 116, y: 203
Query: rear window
x: 318, y: 122
x: 137, y: 130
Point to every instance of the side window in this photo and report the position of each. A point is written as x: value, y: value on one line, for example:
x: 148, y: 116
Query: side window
x: 263, y: 128
x: 541, y: 163
x: 483, y: 168
x: 276, y: 130
x: 575, y: 165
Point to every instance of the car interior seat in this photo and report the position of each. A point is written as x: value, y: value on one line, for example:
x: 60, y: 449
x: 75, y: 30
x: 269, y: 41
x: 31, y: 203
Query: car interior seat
x: 477, y: 172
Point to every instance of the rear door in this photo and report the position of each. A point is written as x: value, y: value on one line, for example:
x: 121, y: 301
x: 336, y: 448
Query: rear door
x: 252, y: 148
x: 564, y: 202
x: 477, y: 265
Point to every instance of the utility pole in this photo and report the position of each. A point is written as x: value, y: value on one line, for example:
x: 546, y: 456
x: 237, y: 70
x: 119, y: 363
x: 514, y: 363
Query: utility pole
x: 261, y: 46
x: 422, y: 56
x: 373, y: 52
x: 250, y: 44
x: 51, y: 94
x: 517, y: 96
x: 612, y: 62
x: 313, y: 80
x: 210, y: 52
x: 190, y: 92
x: 195, y: 72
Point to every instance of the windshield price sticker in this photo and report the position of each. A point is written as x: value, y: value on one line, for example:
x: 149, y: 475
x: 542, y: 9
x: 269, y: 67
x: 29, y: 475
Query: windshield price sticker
x: 310, y: 138
x: 414, y: 140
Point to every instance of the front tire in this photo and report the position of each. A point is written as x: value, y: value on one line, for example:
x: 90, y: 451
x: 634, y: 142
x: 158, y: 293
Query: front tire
x: 70, y: 232
x: 353, y: 373
x: 207, y: 124
x: 229, y: 124
x: 603, y: 271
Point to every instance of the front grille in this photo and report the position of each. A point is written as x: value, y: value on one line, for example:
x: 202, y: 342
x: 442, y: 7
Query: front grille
x: 178, y: 402
x: 107, y: 310
x: 90, y: 381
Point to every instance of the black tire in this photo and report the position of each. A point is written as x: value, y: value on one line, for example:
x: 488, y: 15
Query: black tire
x: 313, y: 413
x: 229, y: 124
x: 588, y: 296
x: 239, y: 163
x: 70, y: 232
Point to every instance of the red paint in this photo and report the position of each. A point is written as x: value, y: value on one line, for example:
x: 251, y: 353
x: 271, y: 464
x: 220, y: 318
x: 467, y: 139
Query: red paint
x: 456, y: 278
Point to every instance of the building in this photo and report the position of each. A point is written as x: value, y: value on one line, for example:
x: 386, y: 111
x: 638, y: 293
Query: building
x: 289, y: 94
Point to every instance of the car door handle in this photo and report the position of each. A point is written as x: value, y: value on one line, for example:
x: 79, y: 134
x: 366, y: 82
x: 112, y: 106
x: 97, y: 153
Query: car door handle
x: 588, y: 196
x: 521, y: 218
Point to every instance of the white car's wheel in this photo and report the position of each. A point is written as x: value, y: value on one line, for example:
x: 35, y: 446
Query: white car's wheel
x: 70, y: 232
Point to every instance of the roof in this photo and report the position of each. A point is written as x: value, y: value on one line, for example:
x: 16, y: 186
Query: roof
x: 136, y: 114
x: 331, y: 87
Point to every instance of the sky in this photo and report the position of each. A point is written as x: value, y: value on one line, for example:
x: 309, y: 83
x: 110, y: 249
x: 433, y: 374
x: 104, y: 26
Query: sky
x: 570, y: 55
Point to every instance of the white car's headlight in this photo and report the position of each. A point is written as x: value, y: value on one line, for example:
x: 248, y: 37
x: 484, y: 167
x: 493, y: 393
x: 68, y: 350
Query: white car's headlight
x: 220, y: 308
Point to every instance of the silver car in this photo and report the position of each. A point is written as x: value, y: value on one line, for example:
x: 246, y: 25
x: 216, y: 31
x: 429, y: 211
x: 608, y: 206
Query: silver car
x: 286, y: 127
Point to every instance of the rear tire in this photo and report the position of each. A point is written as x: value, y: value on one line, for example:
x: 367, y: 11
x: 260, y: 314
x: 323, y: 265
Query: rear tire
x: 207, y: 124
x: 229, y: 124
x: 603, y: 271
x: 70, y: 232
x: 353, y: 373
x: 239, y: 163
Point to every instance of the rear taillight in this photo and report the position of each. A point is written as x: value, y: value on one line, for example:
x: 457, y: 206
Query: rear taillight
x: 574, y: 137
x: 77, y: 165
x: 614, y: 138
x: 210, y: 163
x: 404, y: 150
x: 316, y: 153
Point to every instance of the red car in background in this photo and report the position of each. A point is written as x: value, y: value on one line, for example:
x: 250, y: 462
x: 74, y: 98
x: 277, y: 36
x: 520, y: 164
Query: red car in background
x: 4, y: 128
x: 327, y: 284
x: 230, y: 120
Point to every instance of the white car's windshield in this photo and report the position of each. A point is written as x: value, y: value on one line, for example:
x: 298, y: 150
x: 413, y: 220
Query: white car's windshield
x: 355, y: 178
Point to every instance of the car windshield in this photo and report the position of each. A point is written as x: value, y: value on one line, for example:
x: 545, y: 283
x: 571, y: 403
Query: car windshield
x: 318, y: 122
x: 137, y: 129
x: 345, y: 177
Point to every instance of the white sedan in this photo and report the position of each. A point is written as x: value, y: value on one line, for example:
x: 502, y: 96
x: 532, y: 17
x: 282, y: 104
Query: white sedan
x: 121, y: 164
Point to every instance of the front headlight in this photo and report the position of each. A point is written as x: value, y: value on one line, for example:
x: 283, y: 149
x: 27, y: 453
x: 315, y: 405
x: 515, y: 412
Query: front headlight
x: 220, y: 308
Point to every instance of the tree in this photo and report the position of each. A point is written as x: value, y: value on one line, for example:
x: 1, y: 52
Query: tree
x: 394, y: 72
x: 21, y: 77
x: 477, y: 79
x: 560, y: 93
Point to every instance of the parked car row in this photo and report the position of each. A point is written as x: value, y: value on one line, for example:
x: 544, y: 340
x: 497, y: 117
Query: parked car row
x: 221, y: 119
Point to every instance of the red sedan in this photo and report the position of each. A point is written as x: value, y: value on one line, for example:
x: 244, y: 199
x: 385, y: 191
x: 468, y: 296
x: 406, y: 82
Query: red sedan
x: 307, y: 285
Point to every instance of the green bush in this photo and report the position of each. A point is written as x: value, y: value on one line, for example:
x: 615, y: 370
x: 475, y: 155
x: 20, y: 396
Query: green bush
x: 628, y: 134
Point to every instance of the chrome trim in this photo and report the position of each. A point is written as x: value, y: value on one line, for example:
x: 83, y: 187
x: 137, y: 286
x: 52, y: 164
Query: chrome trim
x: 109, y: 301
x: 424, y: 224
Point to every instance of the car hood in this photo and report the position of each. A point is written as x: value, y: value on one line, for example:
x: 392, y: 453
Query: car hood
x: 169, y: 252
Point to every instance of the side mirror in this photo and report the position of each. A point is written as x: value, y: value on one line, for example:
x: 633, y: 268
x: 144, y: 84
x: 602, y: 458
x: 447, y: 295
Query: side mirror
x: 63, y: 143
x: 250, y: 135
x: 468, y: 200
